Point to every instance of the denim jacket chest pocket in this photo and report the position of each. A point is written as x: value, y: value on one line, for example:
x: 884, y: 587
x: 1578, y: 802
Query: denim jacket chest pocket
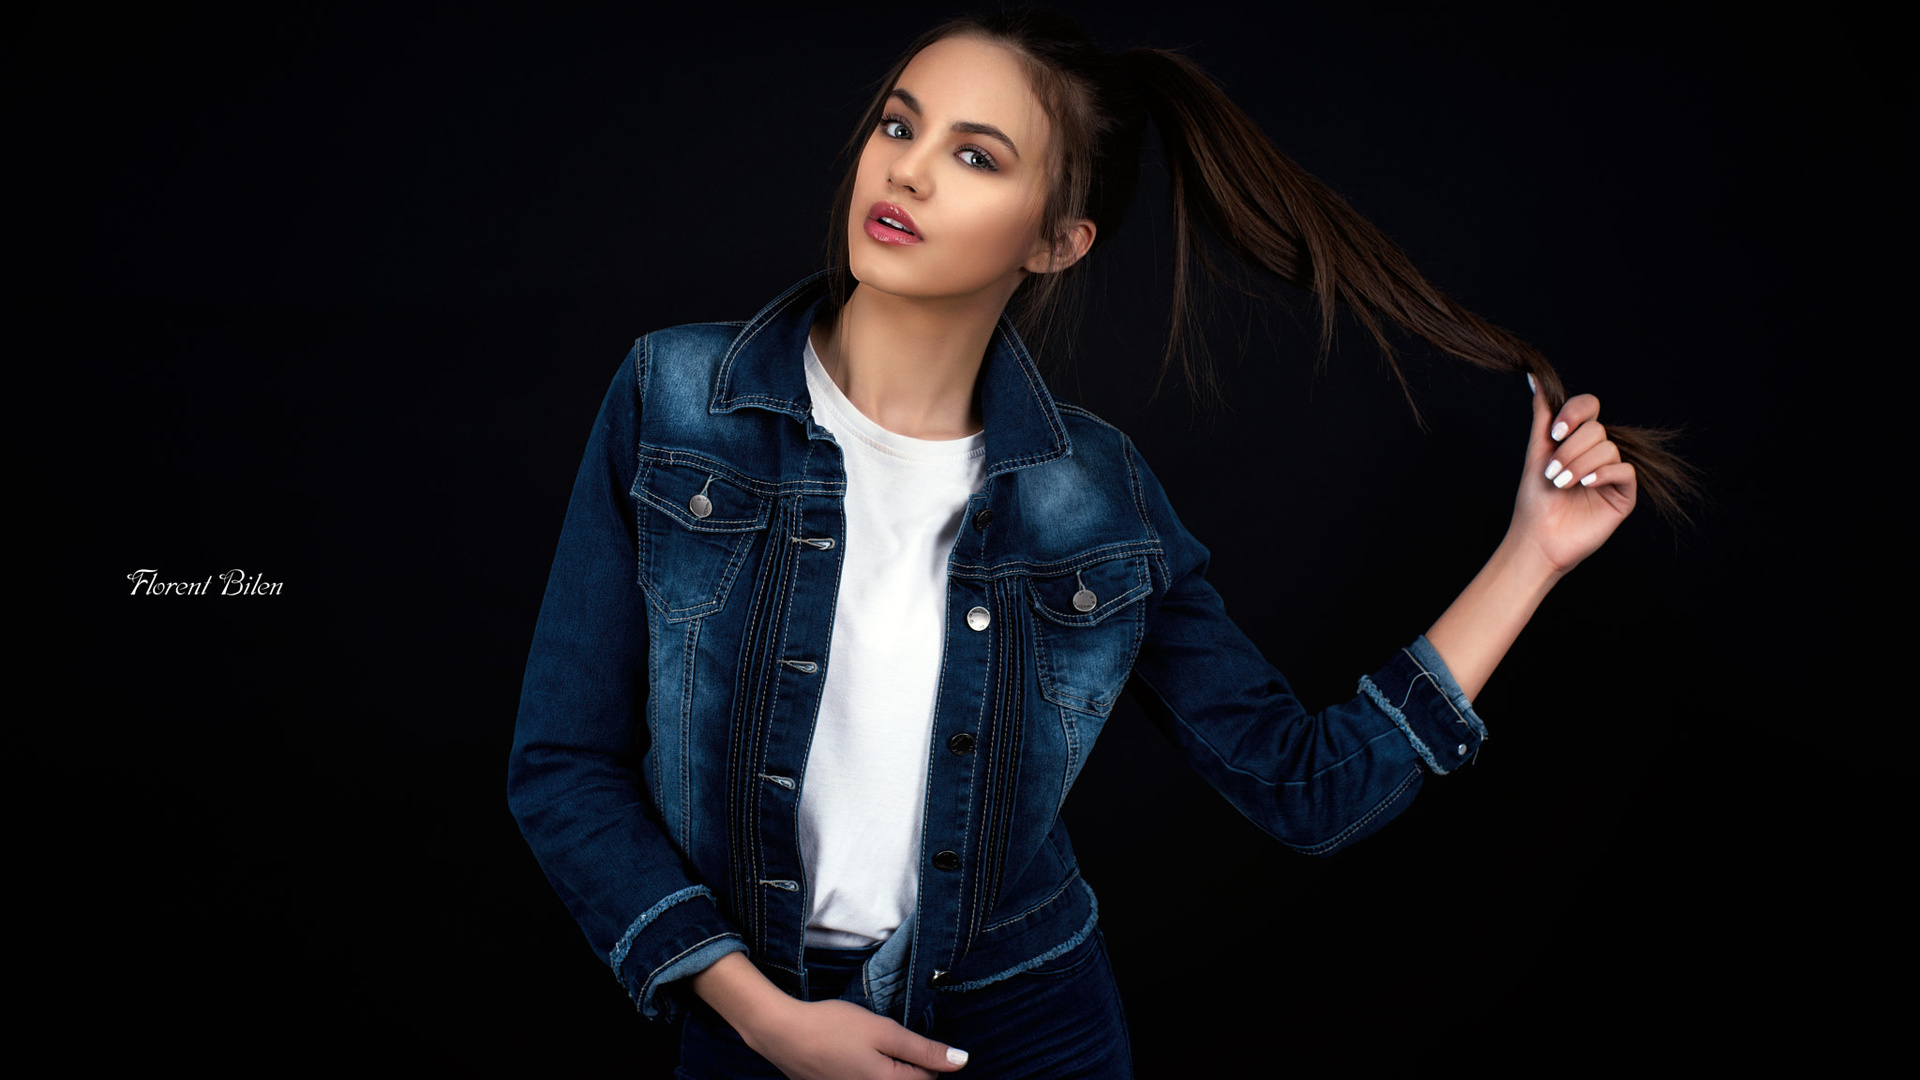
x: 1088, y: 623
x: 695, y: 528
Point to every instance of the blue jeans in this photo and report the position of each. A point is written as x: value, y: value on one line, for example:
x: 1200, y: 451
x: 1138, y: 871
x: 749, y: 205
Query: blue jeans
x: 1060, y: 1021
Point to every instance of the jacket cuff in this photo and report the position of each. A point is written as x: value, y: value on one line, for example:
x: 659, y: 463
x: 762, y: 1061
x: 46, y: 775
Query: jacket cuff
x: 1419, y: 695
x: 677, y: 938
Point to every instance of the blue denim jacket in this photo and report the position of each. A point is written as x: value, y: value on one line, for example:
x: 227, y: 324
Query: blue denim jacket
x: 676, y: 670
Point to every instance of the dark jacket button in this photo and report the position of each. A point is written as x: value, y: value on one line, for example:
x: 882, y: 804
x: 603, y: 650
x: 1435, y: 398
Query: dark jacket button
x: 946, y: 860
x: 939, y: 978
x: 983, y: 519
x: 961, y: 743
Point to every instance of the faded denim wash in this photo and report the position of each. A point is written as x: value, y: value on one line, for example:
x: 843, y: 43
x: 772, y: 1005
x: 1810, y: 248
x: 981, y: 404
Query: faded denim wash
x: 676, y: 669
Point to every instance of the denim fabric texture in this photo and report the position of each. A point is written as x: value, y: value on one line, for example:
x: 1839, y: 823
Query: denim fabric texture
x: 676, y: 668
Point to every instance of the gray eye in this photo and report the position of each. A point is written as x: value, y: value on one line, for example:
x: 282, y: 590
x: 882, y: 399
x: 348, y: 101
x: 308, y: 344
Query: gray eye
x: 895, y: 129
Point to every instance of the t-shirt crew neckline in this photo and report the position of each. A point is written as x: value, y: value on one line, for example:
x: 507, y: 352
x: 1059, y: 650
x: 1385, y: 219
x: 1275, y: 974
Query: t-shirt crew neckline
x: 845, y: 419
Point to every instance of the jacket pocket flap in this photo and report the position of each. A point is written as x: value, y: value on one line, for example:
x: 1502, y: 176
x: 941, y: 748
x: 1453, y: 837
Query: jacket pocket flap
x: 1089, y: 595
x: 700, y: 499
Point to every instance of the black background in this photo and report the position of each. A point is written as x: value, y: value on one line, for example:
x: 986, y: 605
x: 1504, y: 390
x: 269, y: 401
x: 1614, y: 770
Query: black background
x: 332, y: 294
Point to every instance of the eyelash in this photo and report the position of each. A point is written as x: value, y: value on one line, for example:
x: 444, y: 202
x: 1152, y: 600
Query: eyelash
x: 984, y: 164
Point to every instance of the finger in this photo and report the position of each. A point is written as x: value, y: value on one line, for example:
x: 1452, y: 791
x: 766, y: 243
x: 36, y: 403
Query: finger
x: 1618, y: 474
x: 922, y: 1051
x: 1578, y: 410
x: 1574, y: 457
x: 1618, y: 485
x: 1586, y: 466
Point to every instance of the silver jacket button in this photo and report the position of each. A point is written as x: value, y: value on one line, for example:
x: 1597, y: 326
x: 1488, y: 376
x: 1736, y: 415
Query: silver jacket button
x: 1084, y: 600
x: 978, y: 618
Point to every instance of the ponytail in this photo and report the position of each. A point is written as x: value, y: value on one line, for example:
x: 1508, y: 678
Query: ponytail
x: 1277, y: 217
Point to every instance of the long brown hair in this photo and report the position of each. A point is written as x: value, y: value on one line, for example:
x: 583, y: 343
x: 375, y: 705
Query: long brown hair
x: 1226, y: 175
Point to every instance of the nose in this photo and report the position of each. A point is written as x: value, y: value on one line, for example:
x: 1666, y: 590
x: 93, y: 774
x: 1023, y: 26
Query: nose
x: 909, y: 170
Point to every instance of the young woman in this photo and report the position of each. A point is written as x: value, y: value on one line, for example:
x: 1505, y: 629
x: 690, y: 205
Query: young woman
x: 844, y: 596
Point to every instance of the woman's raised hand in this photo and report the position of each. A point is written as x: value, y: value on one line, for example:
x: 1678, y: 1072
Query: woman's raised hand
x: 1574, y: 490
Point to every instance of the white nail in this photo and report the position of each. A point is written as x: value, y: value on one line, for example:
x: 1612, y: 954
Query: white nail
x: 1559, y: 431
x: 1565, y: 479
x: 1553, y: 468
x: 1531, y: 385
x: 956, y: 1057
x: 1587, y: 480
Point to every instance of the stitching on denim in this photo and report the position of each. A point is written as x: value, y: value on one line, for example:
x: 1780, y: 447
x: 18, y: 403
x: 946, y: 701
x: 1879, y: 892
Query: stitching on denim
x: 772, y: 687
x: 1237, y: 770
x: 1044, y: 667
x: 723, y: 585
x: 678, y: 511
x: 1022, y: 567
x: 644, y: 496
x: 686, y: 734
x: 1067, y: 946
x: 618, y: 955
x: 1131, y: 455
x: 754, y: 486
x: 1072, y: 876
x: 753, y: 328
x: 839, y: 507
x: 967, y: 807
x: 783, y: 781
x: 643, y: 347
x: 1070, y: 731
x: 1043, y: 403
x: 1468, y: 718
x: 646, y: 988
x: 739, y: 851
x: 1136, y: 565
x: 1399, y: 718
x: 1429, y: 676
x: 1127, y: 455
x: 1341, y: 837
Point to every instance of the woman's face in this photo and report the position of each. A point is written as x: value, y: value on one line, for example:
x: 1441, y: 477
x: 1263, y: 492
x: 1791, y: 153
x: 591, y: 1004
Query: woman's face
x: 948, y: 197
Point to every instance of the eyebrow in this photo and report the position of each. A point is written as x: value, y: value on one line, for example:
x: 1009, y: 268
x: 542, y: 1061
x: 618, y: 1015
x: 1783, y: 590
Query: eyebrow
x: 965, y: 127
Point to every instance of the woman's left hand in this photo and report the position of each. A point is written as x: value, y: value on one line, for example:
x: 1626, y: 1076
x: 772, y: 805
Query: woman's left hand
x: 1575, y: 490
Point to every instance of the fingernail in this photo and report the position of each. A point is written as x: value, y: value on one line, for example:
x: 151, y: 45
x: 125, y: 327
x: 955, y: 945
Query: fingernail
x: 1559, y: 431
x: 1531, y: 385
x: 1587, y: 480
x: 956, y: 1056
x: 1564, y: 479
x: 1553, y: 468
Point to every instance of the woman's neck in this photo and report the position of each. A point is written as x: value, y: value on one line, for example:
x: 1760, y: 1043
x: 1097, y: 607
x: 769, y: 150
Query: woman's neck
x: 910, y: 365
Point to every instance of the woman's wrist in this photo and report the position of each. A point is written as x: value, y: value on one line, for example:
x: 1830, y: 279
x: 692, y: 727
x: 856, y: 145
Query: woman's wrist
x: 744, y: 998
x: 1473, y: 635
x: 1524, y: 567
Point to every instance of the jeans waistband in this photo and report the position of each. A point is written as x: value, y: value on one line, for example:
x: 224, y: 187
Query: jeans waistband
x: 830, y: 971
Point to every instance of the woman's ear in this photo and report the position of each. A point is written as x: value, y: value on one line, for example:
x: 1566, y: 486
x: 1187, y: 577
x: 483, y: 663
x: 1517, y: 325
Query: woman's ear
x: 1066, y: 251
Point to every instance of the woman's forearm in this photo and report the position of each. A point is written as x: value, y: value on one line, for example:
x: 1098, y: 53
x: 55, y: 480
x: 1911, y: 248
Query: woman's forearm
x: 737, y: 990
x: 1478, y: 628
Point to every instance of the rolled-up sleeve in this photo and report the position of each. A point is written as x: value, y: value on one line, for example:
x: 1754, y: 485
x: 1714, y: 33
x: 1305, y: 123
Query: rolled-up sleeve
x: 1314, y: 781
x: 574, y: 777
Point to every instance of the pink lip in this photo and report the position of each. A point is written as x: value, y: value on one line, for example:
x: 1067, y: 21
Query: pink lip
x: 887, y: 234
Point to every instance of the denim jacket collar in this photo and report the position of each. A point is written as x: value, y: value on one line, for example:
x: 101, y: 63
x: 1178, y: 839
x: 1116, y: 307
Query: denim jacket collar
x: 1023, y: 425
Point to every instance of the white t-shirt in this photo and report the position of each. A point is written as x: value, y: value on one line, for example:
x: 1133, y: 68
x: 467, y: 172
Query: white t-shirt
x: 866, y: 780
